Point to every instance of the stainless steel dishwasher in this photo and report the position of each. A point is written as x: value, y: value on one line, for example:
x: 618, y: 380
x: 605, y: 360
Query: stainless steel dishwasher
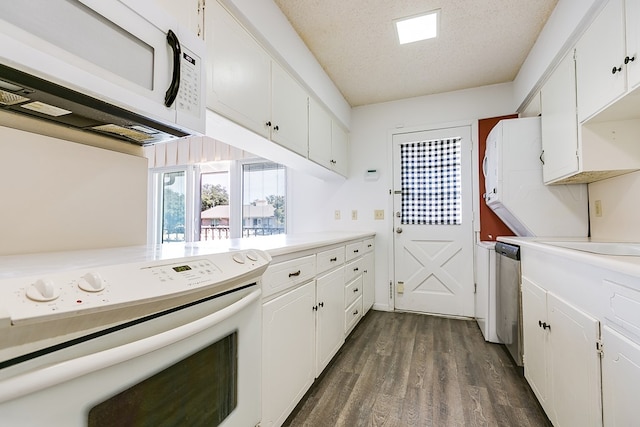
x: 509, y: 301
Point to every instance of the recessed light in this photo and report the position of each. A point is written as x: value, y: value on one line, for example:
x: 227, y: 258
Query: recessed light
x: 416, y: 28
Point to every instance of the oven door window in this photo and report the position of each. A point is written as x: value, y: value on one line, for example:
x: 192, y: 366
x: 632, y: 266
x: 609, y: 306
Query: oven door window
x: 199, y: 390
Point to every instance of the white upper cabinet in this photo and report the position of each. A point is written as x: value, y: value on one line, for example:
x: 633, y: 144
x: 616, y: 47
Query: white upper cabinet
x: 608, y: 66
x: 559, y: 125
x: 190, y: 13
x: 328, y: 141
x: 600, y: 52
x: 238, y: 72
x: 288, y: 122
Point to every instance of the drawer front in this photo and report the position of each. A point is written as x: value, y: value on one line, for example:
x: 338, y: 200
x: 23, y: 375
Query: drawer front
x: 330, y: 259
x: 354, y: 250
x: 352, y: 291
x: 368, y: 245
x: 284, y: 275
x: 352, y: 314
x: 353, y: 270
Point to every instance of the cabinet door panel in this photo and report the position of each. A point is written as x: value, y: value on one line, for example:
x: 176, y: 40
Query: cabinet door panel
x: 620, y: 379
x: 238, y: 72
x: 559, y: 124
x: 534, y: 308
x: 369, y: 282
x: 574, y: 365
x: 288, y: 348
x: 289, y: 112
x: 632, y: 12
x: 339, y: 149
x: 319, y: 134
x: 600, y: 49
x: 330, y: 301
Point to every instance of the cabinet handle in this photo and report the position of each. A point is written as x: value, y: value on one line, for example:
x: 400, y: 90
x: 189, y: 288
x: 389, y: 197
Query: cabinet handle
x: 542, y: 157
x: 616, y: 70
x: 369, y: 245
x: 268, y: 124
x: 544, y: 325
x: 276, y: 128
x: 333, y: 259
x: 355, y: 269
x: 321, y: 304
x: 333, y: 162
x: 314, y: 308
x: 297, y: 273
x: 355, y: 313
x: 355, y: 290
x: 355, y: 251
x: 629, y: 59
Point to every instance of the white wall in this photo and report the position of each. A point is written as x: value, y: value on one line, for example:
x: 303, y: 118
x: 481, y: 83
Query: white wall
x: 316, y: 201
x: 620, y: 201
x: 58, y: 195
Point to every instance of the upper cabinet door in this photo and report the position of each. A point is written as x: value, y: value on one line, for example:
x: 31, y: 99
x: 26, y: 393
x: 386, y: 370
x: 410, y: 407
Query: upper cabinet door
x: 289, y: 111
x: 600, y: 65
x: 559, y: 127
x: 238, y: 72
x: 319, y: 134
x: 632, y: 11
x: 339, y: 149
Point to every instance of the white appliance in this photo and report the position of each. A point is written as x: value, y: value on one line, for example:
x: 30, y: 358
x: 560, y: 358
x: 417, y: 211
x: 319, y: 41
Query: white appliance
x: 131, y: 336
x: 485, y: 295
x: 122, y: 68
x: 515, y: 191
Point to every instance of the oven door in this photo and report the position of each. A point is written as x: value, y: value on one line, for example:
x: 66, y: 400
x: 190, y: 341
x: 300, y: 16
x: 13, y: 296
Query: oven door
x: 204, y: 372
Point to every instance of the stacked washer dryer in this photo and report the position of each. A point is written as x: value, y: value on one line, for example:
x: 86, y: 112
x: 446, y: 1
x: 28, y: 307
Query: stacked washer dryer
x: 515, y: 191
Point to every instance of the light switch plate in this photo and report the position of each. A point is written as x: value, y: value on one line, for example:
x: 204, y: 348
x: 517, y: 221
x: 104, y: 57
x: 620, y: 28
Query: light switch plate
x: 336, y: 214
x: 354, y: 214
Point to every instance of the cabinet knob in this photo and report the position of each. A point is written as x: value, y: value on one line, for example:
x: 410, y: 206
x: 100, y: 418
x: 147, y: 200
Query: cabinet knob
x: 276, y: 127
x: 314, y: 308
x: 321, y: 304
x: 355, y: 313
x: 629, y: 59
x: 616, y: 70
x: 268, y: 124
x: 333, y: 162
x: 355, y: 290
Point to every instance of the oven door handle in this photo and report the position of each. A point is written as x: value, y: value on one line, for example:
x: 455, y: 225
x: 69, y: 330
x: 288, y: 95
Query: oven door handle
x: 58, y: 373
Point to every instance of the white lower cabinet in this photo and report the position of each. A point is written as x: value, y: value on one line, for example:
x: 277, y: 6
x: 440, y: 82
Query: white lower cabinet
x: 368, y: 282
x: 562, y: 361
x: 620, y: 379
x: 329, y: 306
x: 288, y: 352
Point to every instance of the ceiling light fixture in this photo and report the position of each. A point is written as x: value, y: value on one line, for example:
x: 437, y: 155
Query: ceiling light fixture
x: 419, y: 27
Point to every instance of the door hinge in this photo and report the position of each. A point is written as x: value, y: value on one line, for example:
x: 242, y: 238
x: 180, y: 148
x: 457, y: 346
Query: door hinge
x: 390, y: 289
x: 600, y: 348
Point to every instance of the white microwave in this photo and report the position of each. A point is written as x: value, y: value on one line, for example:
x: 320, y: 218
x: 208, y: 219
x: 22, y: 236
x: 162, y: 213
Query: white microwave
x: 122, y: 68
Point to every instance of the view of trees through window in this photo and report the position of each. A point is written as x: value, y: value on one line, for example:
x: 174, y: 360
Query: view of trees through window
x: 263, y: 199
x: 173, y: 206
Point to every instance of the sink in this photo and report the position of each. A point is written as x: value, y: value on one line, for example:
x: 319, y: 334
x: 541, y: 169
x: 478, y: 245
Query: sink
x: 602, y: 248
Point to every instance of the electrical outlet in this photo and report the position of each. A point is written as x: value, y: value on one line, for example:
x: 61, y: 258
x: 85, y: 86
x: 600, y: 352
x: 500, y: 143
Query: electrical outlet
x: 598, y: 208
x: 378, y: 214
x: 336, y: 215
x: 354, y: 215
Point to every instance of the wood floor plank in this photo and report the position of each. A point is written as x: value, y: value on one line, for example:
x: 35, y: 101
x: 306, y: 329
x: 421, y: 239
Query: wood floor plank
x: 406, y: 370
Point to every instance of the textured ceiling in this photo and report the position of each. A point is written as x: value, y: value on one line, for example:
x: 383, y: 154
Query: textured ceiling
x: 481, y: 42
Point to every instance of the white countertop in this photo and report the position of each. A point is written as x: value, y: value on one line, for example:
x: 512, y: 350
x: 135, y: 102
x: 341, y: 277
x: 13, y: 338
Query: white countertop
x: 626, y: 264
x: 49, y: 262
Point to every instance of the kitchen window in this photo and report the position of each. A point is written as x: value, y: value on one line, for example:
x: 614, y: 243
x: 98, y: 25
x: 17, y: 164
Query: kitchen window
x: 217, y: 200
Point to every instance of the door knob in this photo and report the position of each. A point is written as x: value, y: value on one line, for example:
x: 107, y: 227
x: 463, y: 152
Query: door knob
x: 399, y: 230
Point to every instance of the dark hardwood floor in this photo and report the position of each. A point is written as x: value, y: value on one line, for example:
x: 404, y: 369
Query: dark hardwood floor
x: 402, y: 369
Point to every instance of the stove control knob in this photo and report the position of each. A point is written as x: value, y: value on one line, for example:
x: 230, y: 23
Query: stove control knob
x: 239, y: 258
x: 43, y: 290
x: 91, y: 282
x: 252, y: 256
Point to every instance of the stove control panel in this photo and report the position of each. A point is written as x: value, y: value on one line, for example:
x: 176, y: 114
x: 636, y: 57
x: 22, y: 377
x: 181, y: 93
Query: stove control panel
x: 97, y: 289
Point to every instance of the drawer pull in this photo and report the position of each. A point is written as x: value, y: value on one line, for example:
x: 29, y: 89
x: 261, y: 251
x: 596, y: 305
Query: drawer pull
x: 369, y: 245
x: 355, y: 269
x: 355, y: 251
x: 321, y: 304
x: 333, y: 259
x: 355, y: 290
x: 355, y: 313
x: 297, y: 273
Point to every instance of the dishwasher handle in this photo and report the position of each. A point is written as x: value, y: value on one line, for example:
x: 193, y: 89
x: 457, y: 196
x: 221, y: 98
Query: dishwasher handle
x: 507, y: 250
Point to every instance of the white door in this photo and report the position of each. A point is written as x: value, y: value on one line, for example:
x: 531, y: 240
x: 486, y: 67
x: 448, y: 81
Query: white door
x: 433, y: 229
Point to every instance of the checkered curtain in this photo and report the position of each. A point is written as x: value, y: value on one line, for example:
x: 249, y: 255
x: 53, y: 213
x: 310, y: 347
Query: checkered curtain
x: 431, y: 182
